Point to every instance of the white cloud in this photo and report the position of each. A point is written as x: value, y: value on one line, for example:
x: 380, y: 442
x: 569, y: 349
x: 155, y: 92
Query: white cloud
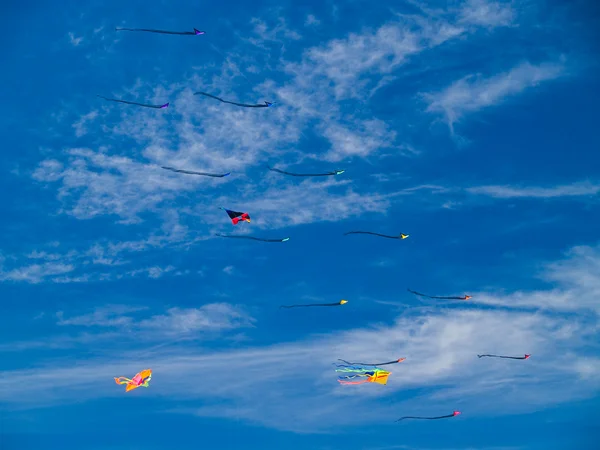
x: 570, y: 190
x: 487, y: 13
x: 311, y: 20
x: 75, y: 41
x: 440, y: 346
x: 474, y: 92
x: 203, y: 134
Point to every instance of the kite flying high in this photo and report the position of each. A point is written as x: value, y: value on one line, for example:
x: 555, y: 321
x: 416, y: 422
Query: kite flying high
x: 185, y: 33
x: 245, y: 105
x: 236, y: 216
x: 145, y: 105
x: 368, y: 375
x: 454, y: 414
x: 505, y: 357
x: 400, y: 236
x: 191, y: 172
x: 464, y: 297
x: 326, y: 174
x: 254, y: 238
x: 141, y: 379
x: 341, y: 302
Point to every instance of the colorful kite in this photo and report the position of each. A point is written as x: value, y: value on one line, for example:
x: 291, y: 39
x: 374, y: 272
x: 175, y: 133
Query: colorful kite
x: 186, y: 33
x: 245, y: 105
x: 400, y: 236
x: 335, y: 172
x: 454, y: 414
x: 166, y: 105
x: 141, y: 379
x: 464, y: 297
x: 341, y: 302
x: 367, y: 364
x: 506, y: 357
x: 189, y: 172
x: 236, y: 216
x: 369, y: 375
x: 253, y: 238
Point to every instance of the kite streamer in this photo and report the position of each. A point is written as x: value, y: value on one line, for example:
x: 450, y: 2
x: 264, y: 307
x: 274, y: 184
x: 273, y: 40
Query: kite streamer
x: 245, y: 105
x: 455, y: 413
x: 186, y: 33
x: 254, y: 238
x: 341, y: 302
x: 367, y: 364
x: 190, y: 172
x: 464, y: 297
x: 505, y: 357
x: 166, y: 105
x: 400, y: 236
x: 335, y: 172
x: 141, y: 379
x: 237, y: 216
x: 369, y: 375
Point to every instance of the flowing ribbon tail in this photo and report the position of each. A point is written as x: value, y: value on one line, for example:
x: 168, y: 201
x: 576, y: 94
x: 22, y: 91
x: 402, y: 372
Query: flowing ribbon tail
x: 122, y: 380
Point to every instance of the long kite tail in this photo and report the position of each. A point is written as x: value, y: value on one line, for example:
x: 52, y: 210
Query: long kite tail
x: 335, y: 172
x: 245, y: 105
x: 253, y: 238
x: 372, y: 364
x: 341, y: 302
x: 196, y: 32
x: 455, y: 413
x: 464, y: 297
x: 166, y: 105
x: 122, y: 380
x: 190, y: 172
x: 505, y: 357
x: 401, y: 236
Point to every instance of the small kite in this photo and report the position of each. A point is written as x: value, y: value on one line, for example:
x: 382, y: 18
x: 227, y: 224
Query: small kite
x: 166, y: 105
x: 245, y: 105
x: 253, y: 238
x: 454, y: 414
x: 236, y: 216
x: 140, y: 380
x: 505, y: 357
x: 189, y: 172
x: 335, y: 172
x: 186, y: 33
x: 464, y: 297
x: 400, y: 236
x: 367, y: 364
x: 341, y: 302
x: 370, y: 375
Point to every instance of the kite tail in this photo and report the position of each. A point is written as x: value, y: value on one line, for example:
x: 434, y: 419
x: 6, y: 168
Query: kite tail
x: 122, y: 380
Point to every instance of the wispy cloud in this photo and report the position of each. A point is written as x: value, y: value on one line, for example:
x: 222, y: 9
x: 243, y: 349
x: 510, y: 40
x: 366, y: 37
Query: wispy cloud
x: 208, y: 135
x: 569, y: 190
x: 487, y: 13
x: 75, y: 41
x: 441, y: 369
x: 474, y: 92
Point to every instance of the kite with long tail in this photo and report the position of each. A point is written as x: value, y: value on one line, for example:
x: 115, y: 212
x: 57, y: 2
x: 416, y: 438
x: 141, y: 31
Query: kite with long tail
x: 166, y: 105
x: 464, y: 297
x: 335, y: 172
x: 185, y: 33
x: 400, y: 236
x: 190, y: 172
x: 505, y: 357
x: 141, y: 379
x: 368, y: 364
x: 454, y: 414
x: 341, y: 302
x: 245, y: 105
x: 236, y: 216
x: 368, y: 375
x: 253, y: 238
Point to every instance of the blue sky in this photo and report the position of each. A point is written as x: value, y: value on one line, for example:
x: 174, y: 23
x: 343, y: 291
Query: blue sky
x: 470, y: 125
